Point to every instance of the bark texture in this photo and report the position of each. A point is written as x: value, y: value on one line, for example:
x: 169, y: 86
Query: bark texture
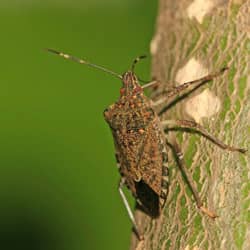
x: 194, y: 38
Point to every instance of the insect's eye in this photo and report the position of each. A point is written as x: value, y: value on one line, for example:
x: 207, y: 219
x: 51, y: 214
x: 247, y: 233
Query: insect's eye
x: 122, y: 91
x: 137, y: 90
x: 106, y: 113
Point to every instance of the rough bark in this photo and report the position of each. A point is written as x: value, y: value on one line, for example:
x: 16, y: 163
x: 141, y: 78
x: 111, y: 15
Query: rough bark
x: 193, y: 38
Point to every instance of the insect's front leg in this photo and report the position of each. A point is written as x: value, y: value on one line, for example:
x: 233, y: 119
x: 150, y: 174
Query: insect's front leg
x: 129, y: 210
x: 181, y: 164
x: 150, y: 84
x: 187, y: 124
x: 175, y: 91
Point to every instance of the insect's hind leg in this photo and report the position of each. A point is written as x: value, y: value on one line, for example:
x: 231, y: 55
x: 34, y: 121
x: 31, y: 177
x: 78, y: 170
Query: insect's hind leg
x: 179, y: 158
x: 129, y: 210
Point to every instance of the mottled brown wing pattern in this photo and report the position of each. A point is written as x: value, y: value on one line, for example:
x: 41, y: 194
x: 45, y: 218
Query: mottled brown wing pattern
x: 151, y: 160
x: 126, y: 145
x: 129, y: 137
x: 131, y: 145
x: 154, y: 169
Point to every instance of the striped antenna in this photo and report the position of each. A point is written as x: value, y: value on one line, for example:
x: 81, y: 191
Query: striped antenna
x: 81, y: 61
x: 136, y: 60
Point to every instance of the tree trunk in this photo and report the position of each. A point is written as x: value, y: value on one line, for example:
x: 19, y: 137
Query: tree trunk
x: 194, y: 38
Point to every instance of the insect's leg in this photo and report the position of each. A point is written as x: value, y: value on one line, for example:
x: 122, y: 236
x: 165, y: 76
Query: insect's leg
x: 174, y: 91
x: 130, y: 213
x: 186, y: 124
x: 150, y: 84
x: 179, y: 157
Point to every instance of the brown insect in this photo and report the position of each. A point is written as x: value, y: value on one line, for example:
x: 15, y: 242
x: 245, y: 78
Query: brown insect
x: 140, y: 141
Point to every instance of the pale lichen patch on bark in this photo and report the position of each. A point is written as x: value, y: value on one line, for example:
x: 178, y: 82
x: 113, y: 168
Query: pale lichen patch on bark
x: 205, y: 104
x: 199, y: 8
x: 192, y: 70
x: 193, y: 248
x: 155, y: 44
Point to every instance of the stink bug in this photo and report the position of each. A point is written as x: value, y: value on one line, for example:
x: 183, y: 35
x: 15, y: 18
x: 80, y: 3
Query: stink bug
x: 140, y: 144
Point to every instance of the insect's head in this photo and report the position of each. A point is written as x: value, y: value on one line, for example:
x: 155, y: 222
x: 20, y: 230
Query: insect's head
x: 130, y: 82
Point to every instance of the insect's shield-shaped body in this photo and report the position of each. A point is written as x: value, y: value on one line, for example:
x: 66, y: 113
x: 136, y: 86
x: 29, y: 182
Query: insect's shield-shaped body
x: 140, y: 146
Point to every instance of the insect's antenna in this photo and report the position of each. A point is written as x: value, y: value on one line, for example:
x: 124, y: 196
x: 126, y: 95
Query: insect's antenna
x: 137, y: 59
x: 81, y: 61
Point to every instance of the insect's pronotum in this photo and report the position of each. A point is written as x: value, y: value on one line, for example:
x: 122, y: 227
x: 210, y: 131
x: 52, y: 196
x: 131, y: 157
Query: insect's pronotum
x: 140, y: 144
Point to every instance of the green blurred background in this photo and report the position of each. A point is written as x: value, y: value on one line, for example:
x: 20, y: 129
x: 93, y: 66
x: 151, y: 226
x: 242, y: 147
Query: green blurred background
x: 58, y: 176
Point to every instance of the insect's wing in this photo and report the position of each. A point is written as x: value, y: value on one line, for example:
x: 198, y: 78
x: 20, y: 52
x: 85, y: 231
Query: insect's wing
x: 129, y: 182
x: 152, y: 158
x: 153, y: 188
x: 130, y: 167
x: 128, y: 145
